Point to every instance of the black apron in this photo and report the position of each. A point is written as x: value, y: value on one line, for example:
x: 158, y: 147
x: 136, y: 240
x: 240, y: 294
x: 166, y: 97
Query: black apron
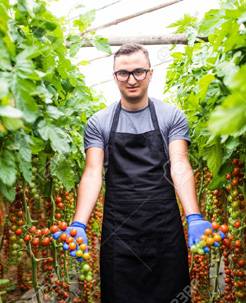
x: 143, y: 254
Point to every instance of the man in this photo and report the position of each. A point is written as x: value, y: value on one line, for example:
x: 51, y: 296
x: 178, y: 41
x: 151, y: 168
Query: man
x: 143, y: 145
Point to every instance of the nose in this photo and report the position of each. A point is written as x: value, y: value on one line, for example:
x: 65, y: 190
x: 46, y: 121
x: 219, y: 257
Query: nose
x: 131, y: 79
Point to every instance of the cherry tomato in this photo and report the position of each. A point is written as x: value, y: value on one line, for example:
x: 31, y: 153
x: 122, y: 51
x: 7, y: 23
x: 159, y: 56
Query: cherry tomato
x: 35, y: 241
x: 45, y: 241
x: 54, y: 229
x: 69, y: 240
x: 63, y: 237
x: 208, y: 231
x: 237, y: 224
x: 58, y: 199
x: 73, y: 232
x: 215, y: 225
x: 18, y: 231
x: 217, y: 238
x: 79, y: 253
x: 86, y: 256
x: 83, y: 246
x: 60, y: 205
x: 32, y: 229
x: 238, y: 243
x: 58, y: 216
x: 45, y: 231
x: 27, y: 238
x: 72, y: 246
x: 224, y: 228
x: 63, y: 225
x: 79, y: 240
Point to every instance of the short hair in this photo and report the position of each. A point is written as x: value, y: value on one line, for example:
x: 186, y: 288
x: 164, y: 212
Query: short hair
x: 130, y: 48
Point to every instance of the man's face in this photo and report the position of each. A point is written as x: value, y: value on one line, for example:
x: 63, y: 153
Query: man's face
x: 133, y: 90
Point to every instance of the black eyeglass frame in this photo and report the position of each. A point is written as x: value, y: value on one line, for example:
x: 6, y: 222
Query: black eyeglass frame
x: 146, y: 70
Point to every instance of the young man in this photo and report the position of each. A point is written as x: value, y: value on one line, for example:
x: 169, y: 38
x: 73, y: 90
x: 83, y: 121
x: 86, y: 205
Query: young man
x: 143, y: 145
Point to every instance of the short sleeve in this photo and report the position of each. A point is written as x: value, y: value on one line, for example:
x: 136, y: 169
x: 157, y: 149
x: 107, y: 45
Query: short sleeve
x: 93, y: 136
x: 179, y: 128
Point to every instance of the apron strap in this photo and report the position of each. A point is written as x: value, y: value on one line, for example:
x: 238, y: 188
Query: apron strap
x: 116, y: 118
x: 153, y: 115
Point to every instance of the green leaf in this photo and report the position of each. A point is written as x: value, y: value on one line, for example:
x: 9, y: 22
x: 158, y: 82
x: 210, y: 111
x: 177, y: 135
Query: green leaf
x: 10, y: 112
x: 59, y: 140
x: 8, y: 192
x: 238, y: 82
x: 102, y: 44
x: 62, y: 169
x: 85, y: 20
x: 183, y: 24
x: 26, y: 169
x: 233, y: 110
x: 227, y: 70
x: 212, y: 20
x: 54, y: 112
x: 5, y: 62
x: 204, y: 83
x: 4, y: 87
x: 37, y: 145
x: 23, y: 89
x: 214, y: 156
x: 8, y: 170
x: 12, y: 123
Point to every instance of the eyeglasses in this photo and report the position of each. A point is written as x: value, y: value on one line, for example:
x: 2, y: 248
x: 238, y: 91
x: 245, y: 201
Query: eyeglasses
x: 139, y: 74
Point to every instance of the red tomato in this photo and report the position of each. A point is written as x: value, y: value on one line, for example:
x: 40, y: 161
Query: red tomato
x: 35, y: 241
x: 215, y: 225
x: 58, y: 199
x: 54, y: 229
x: 63, y: 237
x: 63, y: 225
x: 238, y: 243
x: 79, y: 240
x: 237, y: 224
x: 208, y: 231
x: 69, y: 240
x: 60, y: 205
x: 224, y: 228
x: 27, y: 238
x: 58, y: 216
x: 45, y: 231
x: 32, y: 229
x: 18, y: 232
x: 73, y: 232
x: 45, y: 241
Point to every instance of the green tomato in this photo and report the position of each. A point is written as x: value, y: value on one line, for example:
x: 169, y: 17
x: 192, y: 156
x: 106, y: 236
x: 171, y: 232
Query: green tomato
x: 235, y: 204
x: 200, y: 251
x: 86, y: 267
x: 82, y: 277
x: 193, y: 249
x: 235, y: 215
x: 88, y: 278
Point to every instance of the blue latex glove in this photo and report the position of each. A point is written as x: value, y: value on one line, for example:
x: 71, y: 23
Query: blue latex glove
x: 196, y: 227
x: 81, y: 232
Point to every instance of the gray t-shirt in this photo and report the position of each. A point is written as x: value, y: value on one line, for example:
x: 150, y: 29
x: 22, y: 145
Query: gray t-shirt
x: 172, y: 123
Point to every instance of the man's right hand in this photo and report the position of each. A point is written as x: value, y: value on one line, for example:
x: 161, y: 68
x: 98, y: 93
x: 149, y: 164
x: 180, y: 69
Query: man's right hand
x: 74, y: 239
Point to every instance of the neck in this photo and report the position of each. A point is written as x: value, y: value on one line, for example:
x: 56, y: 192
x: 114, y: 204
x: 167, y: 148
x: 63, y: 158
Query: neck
x: 137, y: 105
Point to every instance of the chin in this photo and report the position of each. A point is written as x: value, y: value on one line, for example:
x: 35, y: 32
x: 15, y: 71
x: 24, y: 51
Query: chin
x: 133, y: 97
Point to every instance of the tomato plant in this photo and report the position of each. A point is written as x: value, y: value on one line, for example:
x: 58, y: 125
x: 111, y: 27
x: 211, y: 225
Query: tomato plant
x: 207, y: 78
x: 44, y: 106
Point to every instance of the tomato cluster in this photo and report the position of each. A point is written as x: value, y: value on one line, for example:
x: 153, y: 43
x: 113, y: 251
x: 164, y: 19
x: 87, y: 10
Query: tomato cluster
x: 222, y: 247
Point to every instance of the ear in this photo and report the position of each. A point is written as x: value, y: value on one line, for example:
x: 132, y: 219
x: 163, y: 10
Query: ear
x: 114, y: 77
x: 151, y: 73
